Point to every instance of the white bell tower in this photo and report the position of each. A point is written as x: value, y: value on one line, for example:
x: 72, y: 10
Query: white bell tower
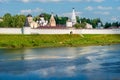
x: 73, y: 19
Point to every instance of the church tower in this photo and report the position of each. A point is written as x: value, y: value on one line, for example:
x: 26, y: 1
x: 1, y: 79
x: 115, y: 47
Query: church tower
x: 73, y: 19
x: 52, y: 21
x: 29, y: 20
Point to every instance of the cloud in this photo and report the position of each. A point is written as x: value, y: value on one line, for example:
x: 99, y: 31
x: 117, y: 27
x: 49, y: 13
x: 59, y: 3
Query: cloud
x: 1, y: 1
x: 70, y: 14
x: 102, y: 13
x: 118, y: 8
x: 98, y: 0
x: 104, y: 8
x: 87, y: 0
x: 89, y: 8
x: 117, y: 0
x: 114, y: 19
x: 26, y: 1
x: 29, y: 11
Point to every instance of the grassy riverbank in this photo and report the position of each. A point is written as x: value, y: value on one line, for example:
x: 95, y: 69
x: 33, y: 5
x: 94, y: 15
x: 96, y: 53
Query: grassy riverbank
x: 21, y: 41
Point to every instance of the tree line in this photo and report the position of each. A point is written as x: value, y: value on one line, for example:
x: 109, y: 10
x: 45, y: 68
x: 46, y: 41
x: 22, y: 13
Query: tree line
x: 19, y: 21
x: 12, y: 21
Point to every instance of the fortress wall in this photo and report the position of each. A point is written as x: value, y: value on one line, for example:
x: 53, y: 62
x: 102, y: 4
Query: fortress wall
x: 75, y: 31
x: 10, y: 31
x: 58, y: 31
x: 100, y: 31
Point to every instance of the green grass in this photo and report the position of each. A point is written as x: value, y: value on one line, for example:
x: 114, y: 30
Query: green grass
x: 24, y: 41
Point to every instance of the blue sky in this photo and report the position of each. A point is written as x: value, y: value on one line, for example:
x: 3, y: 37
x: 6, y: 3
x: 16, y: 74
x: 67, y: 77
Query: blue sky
x: 106, y: 10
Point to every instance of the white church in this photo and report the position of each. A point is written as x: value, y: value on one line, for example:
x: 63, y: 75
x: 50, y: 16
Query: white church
x: 52, y: 23
x: 72, y: 21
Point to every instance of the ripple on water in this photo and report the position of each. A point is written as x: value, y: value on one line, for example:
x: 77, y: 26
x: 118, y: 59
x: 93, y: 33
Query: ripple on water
x: 86, y: 63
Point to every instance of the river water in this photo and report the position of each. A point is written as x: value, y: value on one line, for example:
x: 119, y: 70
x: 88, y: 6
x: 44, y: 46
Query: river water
x: 72, y: 63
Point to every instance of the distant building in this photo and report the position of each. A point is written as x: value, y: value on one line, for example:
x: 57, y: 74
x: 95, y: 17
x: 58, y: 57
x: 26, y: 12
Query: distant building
x: 42, y: 21
x: 52, y: 22
x: 114, y: 27
x: 73, y: 20
x: 88, y: 26
x: 29, y: 22
x: 1, y: 19
x: 69, y: 23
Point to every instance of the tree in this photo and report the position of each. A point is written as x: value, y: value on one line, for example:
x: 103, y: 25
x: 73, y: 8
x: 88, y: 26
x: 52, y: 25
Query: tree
x: 78, y: 19
x: 61, y: 20
x: 7, y: 18
x: 1, y: 24
x: 95, y: 22
x: 80, y: 25
x: 115, y: 24
x: 107, y: 25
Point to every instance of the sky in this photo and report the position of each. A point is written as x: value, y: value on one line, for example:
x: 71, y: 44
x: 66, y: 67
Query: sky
x: 106, y: 10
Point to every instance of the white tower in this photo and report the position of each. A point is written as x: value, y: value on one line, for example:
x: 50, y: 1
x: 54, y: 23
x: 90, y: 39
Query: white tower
x: 73, y: 19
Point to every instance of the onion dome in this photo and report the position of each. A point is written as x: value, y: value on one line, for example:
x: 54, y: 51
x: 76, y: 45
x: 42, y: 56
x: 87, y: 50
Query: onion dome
x: 41, y: 15
x: 29, y: 15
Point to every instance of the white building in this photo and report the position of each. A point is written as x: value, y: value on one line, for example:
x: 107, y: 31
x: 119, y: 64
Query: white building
x: 88, y: 26
x: 42, y: 21
x: 73, y: 20
x: 1, y: 19
x: 30, y: 23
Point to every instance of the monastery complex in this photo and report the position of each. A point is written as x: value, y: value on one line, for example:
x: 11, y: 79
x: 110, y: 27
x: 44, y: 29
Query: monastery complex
x: 42, y: 26
x: 51, y: 23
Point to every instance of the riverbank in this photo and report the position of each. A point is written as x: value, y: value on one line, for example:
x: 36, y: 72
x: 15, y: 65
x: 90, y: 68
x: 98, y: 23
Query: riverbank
x: 31, y: 41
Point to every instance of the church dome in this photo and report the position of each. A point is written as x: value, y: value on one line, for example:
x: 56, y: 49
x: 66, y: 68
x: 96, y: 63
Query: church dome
x: 41, y: 15
x: 29, y: 15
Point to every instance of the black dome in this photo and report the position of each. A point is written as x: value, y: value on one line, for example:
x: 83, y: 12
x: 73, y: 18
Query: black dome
x: 29, y: 15
x: 41, y: 15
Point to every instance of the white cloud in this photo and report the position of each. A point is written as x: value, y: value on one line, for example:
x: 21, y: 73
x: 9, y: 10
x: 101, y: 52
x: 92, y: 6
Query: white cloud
x: 114, y: 19
x: 28, y: 11
x: 1, y: 1
x: 118, y: 8
x: 25, y: 1
x: 104, y: 8
x: 117, y: 0
x: 102, y: 13
x: 88, y: 0
x: 89, y: 8
x: 98, y: 0
x: 70, y: 14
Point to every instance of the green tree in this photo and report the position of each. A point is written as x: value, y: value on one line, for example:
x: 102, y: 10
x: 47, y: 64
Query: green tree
x: 61, y: 20
x: 1, y: 24
x: 107, y: 25
x: 7, y: 18
x: 18, y: 21
x: 80, y: 25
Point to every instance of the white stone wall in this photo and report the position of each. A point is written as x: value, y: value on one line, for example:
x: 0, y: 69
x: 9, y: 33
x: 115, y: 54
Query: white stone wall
x: 10, y: 31
x: 28, y: 30
x: 75, y: 31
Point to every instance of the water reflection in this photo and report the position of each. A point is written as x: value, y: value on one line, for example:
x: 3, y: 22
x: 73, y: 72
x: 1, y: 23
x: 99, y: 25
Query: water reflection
x: 86, y: 63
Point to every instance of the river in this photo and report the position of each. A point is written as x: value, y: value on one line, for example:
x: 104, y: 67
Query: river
x: 71, y: 63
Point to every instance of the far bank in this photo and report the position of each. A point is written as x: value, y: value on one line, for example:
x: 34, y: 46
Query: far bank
x: 66, y: 40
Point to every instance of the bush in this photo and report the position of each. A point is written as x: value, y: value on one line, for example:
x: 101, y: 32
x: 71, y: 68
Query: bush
x: 79, y: 25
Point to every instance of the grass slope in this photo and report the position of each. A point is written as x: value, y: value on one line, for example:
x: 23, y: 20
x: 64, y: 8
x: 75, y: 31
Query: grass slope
x: 21, y: 41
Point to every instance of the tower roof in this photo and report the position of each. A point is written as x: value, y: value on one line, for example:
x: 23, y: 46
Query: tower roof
x: 73, y: 18
x: 29, y: 15
x: 41, y: 15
